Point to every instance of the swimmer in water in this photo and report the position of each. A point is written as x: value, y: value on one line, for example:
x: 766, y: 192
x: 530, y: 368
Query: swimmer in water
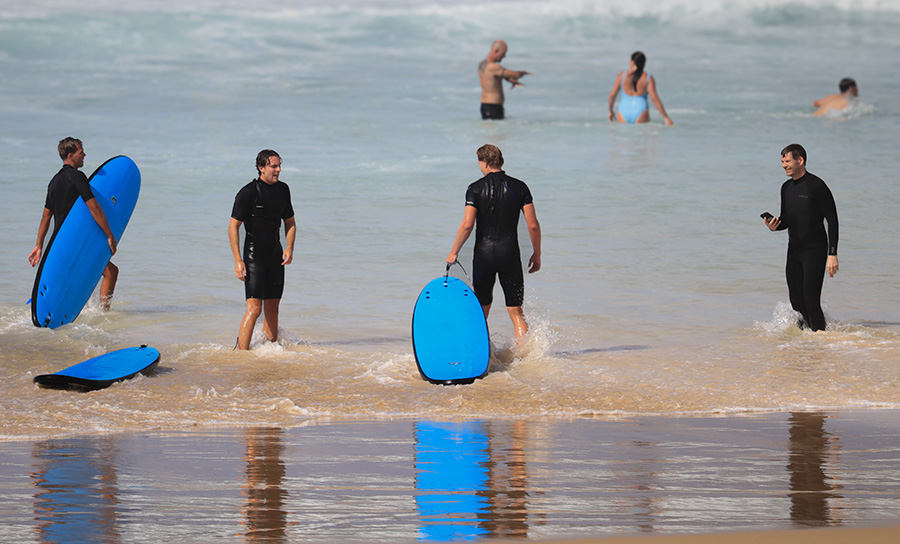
x: 635, y: 85
x: 491, y: 76
x: 838, y: 102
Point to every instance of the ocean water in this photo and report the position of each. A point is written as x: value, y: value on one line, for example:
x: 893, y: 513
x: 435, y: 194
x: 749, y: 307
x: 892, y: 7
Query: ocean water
x: 661, y: 291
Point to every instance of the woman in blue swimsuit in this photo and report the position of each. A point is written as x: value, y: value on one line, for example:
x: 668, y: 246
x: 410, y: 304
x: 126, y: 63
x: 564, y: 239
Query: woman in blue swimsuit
x: 636, y: 86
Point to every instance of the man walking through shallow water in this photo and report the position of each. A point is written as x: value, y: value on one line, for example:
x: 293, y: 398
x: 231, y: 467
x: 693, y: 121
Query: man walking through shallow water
x: 491, y: 75
x: 494, y: 203
x: 805, y: 203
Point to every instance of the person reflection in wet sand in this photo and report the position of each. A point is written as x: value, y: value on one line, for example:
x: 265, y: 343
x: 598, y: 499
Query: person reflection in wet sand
x: 266, y: 519
x: 640, y: 498
x: 810, y: 486
x: 76, y: 497
x: 507, y: 485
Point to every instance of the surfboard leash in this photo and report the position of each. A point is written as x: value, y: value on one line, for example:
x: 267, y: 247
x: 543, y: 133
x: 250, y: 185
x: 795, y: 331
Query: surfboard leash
x: 457, y: 263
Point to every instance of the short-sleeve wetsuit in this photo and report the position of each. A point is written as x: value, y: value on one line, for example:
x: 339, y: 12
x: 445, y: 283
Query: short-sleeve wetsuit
x: 63, y: 191
x: 498, y: 199
x: 261, y: 208
x: 805, y: 203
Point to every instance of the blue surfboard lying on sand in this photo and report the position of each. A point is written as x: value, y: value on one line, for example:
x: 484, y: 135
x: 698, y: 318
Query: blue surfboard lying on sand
x: 77, y: 254
x: 449, y: 333
x: 102, y: 371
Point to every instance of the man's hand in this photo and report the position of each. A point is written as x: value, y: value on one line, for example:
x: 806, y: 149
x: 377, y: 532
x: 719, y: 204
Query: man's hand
x: 35, y: 256
x: 534, y: 264
x: 831, y: 265
x: 772, y: 223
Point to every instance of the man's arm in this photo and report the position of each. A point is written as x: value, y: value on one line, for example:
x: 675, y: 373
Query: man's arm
x: 290, y: 234
x: 496, y: 70
x: 534, y: 232
x: 35, y: 256
x: 100, y: 218
x: 513, y: 76
x: 829, y: 210
x: 463, y: 233
x: 234, y: 237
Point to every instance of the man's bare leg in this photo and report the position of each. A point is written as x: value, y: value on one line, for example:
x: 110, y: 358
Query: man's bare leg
x: 108, y: 285
x: 518, y: 318
x: 254, y: 308
x: 270, y: 324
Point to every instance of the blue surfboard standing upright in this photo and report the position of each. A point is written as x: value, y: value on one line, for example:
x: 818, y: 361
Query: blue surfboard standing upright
x: 449, y: 333
x: 78, y: 252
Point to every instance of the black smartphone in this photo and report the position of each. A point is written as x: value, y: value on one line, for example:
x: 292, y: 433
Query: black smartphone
x: 766, y: 215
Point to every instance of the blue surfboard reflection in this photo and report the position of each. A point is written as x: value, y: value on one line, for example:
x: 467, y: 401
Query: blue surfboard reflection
x: 451, y: 479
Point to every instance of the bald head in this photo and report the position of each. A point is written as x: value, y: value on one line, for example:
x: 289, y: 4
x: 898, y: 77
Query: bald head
x: 498, y: 51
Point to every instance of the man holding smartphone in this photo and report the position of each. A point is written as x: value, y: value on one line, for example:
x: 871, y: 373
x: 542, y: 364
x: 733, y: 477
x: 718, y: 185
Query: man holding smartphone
x: 805, y: 203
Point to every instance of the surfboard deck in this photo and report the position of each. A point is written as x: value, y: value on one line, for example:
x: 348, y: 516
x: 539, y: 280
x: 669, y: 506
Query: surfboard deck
x: 102, y: 371
x: 449, y: 333
x: 74, y: 260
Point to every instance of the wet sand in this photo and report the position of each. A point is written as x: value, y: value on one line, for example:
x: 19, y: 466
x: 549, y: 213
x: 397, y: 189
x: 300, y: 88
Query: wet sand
x: 826, y: 477
x: 874, y: 535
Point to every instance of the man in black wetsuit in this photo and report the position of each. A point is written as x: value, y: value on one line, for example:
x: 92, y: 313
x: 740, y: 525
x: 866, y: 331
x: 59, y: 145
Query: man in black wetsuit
x: 493, y: 204
x: 805, y: 202
x: 66, y: 186
x: 261, y: 206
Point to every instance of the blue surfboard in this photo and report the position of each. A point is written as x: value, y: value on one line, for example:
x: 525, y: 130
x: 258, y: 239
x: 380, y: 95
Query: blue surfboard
x: 78, y: 252
x: 449, y: 333
x: 452, y: 479
x: 102, y: 371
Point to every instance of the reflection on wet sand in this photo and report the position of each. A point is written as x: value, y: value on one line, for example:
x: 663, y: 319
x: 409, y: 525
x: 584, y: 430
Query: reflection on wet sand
x: 638, y: 471
x: 507, y: 489
x: 463, y: 480
x: 265, y: 517
x: 450, y: 471
x: 810, y: 449
x: 76, y: 497
x: 471, y: 479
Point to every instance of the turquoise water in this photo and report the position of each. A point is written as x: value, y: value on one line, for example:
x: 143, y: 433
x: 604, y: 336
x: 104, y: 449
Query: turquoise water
x: 661, y: 291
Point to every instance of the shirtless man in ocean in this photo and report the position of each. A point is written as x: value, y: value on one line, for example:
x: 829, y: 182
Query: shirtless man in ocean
x: 838, y: 102
x: 491, y: 76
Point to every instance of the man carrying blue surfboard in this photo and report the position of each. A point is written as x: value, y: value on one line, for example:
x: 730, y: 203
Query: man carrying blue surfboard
x: 261, y: 206
x: 493, y: 204
x: 66, y: 186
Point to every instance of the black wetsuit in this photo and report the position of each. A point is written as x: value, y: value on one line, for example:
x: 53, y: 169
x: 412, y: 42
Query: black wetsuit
x: 262, y: 208
x: 63, y: 191
x: 491, y: 111
x: 499, y: 200
x: 805, y: 203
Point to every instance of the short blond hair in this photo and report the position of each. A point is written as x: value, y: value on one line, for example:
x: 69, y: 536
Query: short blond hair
x: 490, y: 155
